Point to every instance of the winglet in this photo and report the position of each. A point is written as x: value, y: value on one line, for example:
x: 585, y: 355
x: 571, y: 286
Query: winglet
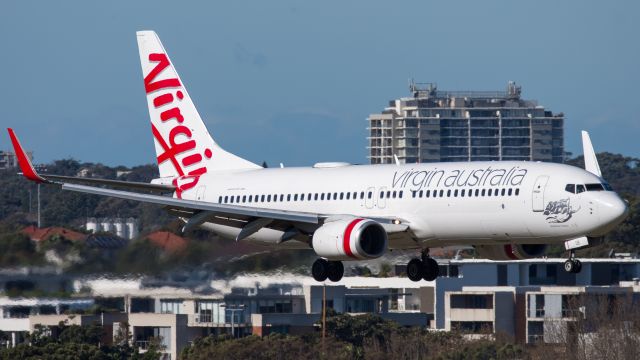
x: 25, y: 164
x: 590, y: 160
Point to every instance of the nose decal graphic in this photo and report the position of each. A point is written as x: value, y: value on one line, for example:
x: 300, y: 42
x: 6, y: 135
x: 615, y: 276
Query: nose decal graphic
x: 559, y: 211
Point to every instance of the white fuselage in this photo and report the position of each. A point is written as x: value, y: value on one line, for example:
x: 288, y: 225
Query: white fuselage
x: 475, y: 202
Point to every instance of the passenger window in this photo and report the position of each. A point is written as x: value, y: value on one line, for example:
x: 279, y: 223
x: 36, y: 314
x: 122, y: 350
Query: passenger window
x: 288, y: 197
x: 420, y: 193
x: 341, y: 196
x: 275, y: 197
x: 335, y: 196
x: 441, y: 193
x: 262, y: 198
x: 579, y: 189
x: 400, y: 194
x: 348, y: 196
x: 370, y: 194
x: 295, y: 197
x: 381, y: 194
x: 448, y: 193
x: 315, y: 196
x: 231, y: 198
x: 394, y: 194
x: 477, y: 192
x: 462, y: 193
x: 510, y: 192
x: 388, y: 194
x: 413, y: 193
x: 321, y: 196
x: 355, y: 195
x: 435, y: 193
x: 269, y: 198
x: 517, y: 192
x: 455, y: 193
x: 428, y: 193
x: 362, y: 195
x: 483, y: 192
x: 244, y: 198
x: 502, y: 192
x: 570, y: 188
x: 219, y: 199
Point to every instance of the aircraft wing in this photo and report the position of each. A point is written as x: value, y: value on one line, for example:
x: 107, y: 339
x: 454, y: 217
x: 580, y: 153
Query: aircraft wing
x: 195, y: 212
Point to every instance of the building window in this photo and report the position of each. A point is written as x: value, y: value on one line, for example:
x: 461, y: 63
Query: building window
x: 171, y: 306
x: 471, y: 301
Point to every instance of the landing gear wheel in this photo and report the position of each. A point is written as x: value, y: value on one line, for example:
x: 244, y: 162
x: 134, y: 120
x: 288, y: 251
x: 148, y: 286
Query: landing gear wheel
x: 414, y: 270
x: 569, y: 266
x: 320, y: 270
x: 572, y: 265
x: 335, y: 270
x: 578, y: 266
x: 430, y: 269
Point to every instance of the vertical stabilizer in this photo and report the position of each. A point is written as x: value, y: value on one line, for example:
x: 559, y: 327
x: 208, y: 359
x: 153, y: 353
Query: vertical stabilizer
x: 590, y: 160
x: 184, y: 148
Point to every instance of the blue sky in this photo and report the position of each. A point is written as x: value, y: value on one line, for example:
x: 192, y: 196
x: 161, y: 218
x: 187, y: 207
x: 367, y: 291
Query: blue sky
x: 293, y: 81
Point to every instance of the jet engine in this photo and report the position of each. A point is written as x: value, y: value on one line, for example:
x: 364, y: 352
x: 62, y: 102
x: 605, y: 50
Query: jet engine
x: 349, y: 239
x: 510, y: 252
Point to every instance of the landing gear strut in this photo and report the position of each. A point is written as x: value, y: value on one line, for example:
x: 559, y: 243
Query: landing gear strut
x: 323, y: 269
x: 572, y: 265
x: 425, y: 268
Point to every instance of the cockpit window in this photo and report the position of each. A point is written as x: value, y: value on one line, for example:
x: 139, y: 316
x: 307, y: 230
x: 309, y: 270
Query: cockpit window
x: 570, y: 188
x: 595, y: 187
x: 580, y: 188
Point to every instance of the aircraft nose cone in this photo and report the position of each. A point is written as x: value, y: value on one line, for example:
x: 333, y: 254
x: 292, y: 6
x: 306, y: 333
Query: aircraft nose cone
x: 613, y: 210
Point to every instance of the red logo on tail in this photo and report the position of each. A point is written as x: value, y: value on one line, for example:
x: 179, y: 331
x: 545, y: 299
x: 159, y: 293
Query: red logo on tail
x: 174, y: 148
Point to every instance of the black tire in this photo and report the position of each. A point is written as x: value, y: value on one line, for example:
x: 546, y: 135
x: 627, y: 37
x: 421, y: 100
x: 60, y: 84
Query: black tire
x: 569, y: 266
x: 335, y: 271
x: 430, y: 269
x: 319, y: 270
x: 414, y: 270
x: 578, y: 266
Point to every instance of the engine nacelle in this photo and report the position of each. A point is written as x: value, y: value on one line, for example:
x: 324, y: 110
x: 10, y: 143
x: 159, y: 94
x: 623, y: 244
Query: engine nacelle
x: 349, y: 239
x: 510, y: 252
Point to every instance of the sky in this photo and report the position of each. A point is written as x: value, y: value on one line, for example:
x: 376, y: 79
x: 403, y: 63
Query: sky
x: 294, y: 81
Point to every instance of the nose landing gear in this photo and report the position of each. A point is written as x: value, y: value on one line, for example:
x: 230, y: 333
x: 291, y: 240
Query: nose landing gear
x: 323, y: 269
x: 425, y: 268
x: 572, y: 265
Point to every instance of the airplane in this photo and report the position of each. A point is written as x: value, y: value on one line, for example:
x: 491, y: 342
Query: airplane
x: 504, y: 209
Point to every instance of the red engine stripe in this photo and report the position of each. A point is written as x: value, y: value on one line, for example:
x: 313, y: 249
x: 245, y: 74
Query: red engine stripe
x: 346, y: 238
x: 508, y: 249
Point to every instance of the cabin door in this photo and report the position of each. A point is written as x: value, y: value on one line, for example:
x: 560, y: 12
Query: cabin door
x: 537, y: 201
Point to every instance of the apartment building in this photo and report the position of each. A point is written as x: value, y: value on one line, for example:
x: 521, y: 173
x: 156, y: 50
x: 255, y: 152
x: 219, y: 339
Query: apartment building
x: 443, y: 126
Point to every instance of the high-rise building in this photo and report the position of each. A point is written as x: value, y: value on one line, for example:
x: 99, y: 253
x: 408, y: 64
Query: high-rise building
x: 434, y: 125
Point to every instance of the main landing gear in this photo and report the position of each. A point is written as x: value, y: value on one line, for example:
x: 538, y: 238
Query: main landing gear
x: 572, y: 265
x: 323, y: 269
x: 425, y: 268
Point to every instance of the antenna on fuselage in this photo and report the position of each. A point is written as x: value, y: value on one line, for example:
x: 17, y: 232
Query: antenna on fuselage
x: 590, y: 160
x: 395, y: 157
